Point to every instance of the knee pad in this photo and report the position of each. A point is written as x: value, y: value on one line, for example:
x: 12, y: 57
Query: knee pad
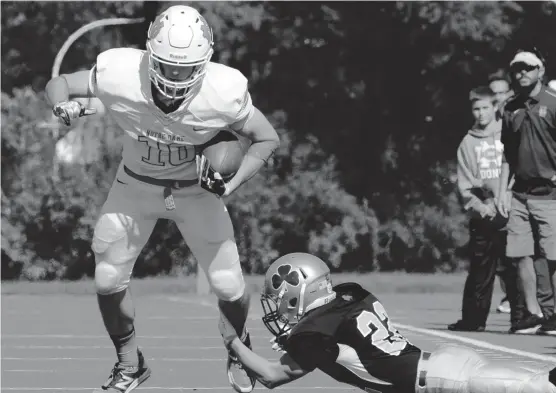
x: 110, y: 279
x: 227, y: 283
x: 114, y: 254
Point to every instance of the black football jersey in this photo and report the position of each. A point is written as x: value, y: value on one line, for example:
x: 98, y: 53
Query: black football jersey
x: 352, y: 340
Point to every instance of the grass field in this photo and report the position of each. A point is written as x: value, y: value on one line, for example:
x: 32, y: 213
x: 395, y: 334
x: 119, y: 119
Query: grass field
x: 376, y: 282
x: 53, y: 338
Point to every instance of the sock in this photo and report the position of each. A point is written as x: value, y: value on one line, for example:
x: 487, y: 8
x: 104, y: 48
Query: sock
x: 126, y: 348
x: 236, y: 312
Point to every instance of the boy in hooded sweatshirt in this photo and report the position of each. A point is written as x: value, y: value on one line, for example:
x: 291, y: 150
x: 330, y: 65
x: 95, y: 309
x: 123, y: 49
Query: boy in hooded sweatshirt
x: 479, y: 159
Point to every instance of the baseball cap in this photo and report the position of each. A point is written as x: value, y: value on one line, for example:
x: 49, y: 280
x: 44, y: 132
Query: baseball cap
x: 528, y: 58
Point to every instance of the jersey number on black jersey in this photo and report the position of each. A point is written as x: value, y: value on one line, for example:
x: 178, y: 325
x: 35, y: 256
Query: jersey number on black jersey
x: 376, y: 324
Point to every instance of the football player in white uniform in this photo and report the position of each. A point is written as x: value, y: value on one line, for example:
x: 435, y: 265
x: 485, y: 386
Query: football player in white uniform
x: 345, y: 332
x: 169, y: 100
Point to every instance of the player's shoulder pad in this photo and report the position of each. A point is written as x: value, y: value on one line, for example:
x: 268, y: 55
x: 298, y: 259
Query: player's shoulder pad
x: 117, y: 59
x: 226, y: 87
x: 115, y: 66
x: 351, y: 287
x: 352, y: 293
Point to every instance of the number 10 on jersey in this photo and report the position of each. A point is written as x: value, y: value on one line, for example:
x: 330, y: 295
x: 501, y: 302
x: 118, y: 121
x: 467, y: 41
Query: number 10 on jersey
x: 383, y: 335
x: 161, y: 154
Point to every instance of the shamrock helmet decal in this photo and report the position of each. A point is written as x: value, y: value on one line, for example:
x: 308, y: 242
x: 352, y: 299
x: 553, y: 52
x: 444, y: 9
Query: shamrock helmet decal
x: 285, y: 274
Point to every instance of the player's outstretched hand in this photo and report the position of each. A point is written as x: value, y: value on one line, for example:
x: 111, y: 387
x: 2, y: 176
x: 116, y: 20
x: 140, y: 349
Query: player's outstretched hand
x: 70, y: 110
x: 226, y: 330
x: 209, y: 179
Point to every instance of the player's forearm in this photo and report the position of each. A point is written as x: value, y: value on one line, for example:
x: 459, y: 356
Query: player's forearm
x: 471, y: 203
x: 57, y: 90
x: 269, y: 374
x: 257, y: 155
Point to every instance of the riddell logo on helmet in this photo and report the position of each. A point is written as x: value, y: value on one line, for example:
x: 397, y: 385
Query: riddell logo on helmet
x: 173, y: 56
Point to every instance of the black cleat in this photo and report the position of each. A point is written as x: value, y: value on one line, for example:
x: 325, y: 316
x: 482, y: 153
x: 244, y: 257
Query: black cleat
x: 461, y: 326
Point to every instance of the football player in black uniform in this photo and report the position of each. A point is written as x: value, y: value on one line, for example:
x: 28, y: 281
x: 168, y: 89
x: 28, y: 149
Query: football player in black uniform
x: 345, y: 332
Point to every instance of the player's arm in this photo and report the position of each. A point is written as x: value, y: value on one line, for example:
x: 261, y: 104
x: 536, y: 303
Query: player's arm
x: 269, y: 373
x: 264, y: 142
x: 68, y: 86
x: 62, y: 89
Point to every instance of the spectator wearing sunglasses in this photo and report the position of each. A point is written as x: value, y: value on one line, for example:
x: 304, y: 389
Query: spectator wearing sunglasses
x: 529, y: 138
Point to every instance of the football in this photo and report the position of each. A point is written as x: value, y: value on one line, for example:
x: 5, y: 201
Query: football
x: 225, y: 153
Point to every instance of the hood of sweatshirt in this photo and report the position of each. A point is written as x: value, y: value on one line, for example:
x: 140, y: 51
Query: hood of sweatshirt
x: 494, y: 128
x: 480, y: 161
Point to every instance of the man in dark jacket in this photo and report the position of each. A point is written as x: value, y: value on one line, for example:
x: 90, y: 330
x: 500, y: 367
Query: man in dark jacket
x: 529, y: 138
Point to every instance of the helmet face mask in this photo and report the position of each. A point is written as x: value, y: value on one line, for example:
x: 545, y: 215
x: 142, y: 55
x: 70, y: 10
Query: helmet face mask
x: 276, y: 323
x: 179, y: 48
x: 294, y: 284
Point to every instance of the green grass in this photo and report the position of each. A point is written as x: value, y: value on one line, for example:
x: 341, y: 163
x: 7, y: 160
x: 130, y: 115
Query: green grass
x: 376, y: 282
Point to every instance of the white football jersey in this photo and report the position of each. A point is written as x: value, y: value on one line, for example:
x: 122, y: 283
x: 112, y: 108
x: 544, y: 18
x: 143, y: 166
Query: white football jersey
x: 162, y: 145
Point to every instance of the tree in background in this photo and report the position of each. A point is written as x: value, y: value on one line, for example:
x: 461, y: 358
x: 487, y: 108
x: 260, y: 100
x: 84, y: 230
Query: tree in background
x: 370, y: 97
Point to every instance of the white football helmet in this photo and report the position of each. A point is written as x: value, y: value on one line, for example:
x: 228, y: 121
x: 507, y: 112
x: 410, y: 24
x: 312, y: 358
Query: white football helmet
x: 294, y: 284
x: 179, y: 46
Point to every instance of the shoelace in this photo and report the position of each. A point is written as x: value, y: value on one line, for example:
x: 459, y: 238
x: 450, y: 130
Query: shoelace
x: 115, y: 371
x: 111, y: 376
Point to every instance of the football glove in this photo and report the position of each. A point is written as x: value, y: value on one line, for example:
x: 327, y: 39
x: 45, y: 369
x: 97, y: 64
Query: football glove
x: 70, y: 110
x: 208, y: 178
x: 278, y: 343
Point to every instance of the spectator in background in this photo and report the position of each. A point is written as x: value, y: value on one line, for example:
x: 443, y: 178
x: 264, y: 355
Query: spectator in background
x: 529, y: 138
x: 501, y: 88
x: 479, y: 159
x: 502, y: 92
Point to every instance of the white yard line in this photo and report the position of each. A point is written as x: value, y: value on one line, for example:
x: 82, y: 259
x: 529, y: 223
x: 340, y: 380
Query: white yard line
x: 435, y: 333
x: 477, y: 343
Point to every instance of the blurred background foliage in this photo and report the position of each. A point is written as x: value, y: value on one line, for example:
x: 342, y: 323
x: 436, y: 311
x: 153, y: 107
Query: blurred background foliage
x: 370, y: 100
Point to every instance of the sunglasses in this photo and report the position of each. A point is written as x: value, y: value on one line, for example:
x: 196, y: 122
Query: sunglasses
x: 519, y: 67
